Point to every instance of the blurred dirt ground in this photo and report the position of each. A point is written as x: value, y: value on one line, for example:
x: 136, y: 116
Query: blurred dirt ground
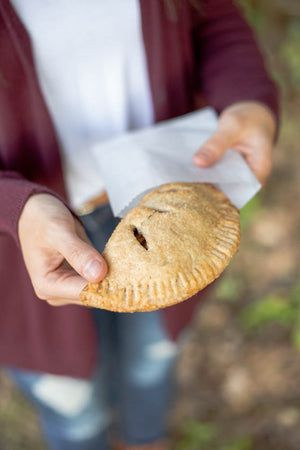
x: 238, y: 378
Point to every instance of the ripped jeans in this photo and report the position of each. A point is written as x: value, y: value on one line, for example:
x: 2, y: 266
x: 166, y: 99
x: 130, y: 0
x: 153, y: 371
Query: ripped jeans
x: 133, y: 383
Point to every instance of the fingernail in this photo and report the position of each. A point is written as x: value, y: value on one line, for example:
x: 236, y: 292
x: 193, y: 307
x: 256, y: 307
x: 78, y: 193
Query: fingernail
x: 203, y: 156
x: 93, y: 269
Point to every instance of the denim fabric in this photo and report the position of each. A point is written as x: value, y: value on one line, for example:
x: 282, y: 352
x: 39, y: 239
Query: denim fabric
x: 72, y: 412
x: 134, y: 378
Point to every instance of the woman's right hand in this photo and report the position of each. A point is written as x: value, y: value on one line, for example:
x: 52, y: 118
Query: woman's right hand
x: 58, y: 255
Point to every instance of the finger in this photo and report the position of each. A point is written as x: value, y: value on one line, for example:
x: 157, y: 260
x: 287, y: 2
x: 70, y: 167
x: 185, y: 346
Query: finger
x: 214, y: 148
x: 261, y: 170
x: 84, y: 258
x: 63, y: 302
x: 61, y: 285
x: 258, y: 155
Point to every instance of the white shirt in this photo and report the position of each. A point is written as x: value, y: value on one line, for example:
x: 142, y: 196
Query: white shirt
x: 91, y: 66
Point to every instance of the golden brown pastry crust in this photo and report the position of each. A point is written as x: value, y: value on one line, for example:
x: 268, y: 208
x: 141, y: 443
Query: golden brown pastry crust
x: 174, y: 243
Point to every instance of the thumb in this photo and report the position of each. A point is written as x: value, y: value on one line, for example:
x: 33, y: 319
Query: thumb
x: 84, y: 258
x: 213, y: 149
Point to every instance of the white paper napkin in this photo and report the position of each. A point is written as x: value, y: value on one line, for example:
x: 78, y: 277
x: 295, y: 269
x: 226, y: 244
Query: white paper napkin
x: 139, y: 161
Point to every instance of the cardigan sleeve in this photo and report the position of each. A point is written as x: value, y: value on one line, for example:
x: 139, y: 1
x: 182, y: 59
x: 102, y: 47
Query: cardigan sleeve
x: 14, y: 192
x: 230, y: 68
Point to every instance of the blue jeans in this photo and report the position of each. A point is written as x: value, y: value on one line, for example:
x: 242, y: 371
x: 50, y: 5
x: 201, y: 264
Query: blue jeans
x: 133, y: 383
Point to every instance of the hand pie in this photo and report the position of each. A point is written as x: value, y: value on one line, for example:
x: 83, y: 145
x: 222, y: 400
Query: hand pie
x: 174, y: 243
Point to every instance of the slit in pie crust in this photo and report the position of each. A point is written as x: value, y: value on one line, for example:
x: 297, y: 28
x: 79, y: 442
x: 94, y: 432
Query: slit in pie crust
x: 178, y: 240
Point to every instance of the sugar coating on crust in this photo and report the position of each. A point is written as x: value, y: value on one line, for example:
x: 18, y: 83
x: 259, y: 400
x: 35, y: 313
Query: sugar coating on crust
x: 178, y: 240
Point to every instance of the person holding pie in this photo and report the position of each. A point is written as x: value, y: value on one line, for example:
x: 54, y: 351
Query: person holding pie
x: 72, y: 73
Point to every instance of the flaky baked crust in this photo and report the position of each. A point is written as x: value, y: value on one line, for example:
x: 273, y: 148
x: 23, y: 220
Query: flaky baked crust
x: 174, y: 243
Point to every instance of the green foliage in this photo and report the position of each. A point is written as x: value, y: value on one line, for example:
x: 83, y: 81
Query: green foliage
x: 197, y: 436
x: 229, y: 289
x: 249, y: 211
x: 243, y: 443
x: 278, y: 30
x: 295, y: 294
x: 296, y: 336
x: 206, y: 436
x: 275, y: 309
x: 253, y: 13
x: 288, y: 130
x: 295, y: 300
x: 290, y: 49
x: 269, y: 309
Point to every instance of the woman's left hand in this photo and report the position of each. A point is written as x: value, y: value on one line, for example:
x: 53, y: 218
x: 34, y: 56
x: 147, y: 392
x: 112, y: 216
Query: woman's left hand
x: 247, y: 127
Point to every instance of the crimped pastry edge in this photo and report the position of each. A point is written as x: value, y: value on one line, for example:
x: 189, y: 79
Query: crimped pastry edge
x: 141, y: 300
x: 91, y: 296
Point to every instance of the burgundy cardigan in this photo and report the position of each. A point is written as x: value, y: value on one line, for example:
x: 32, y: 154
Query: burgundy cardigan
x: 208, y: 51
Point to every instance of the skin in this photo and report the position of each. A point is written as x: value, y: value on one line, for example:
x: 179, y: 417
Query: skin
x: 57, y: 253
x: 247, y: 127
